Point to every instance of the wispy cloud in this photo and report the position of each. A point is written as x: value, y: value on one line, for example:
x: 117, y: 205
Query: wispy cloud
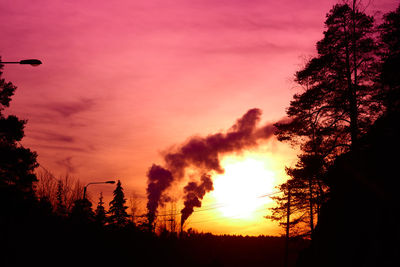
x: 52, y: 137
x: 65, y: 148
x: 68, y: 109
x: 67, y: 164
x: 263, y: 48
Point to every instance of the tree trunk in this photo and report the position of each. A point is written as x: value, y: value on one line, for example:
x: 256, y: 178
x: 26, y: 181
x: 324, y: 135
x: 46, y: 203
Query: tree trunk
x: 351, y: 95
x: 353, y: 92
x: 286, y: 260
x: 311, y: 206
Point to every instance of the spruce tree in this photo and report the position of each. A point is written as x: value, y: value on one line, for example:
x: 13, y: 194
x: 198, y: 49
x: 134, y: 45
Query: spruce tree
x: 100, y: 212
x: 118, y: 215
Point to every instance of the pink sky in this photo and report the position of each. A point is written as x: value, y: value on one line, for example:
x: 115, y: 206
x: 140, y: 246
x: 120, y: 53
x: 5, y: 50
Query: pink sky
x: 121, y: 81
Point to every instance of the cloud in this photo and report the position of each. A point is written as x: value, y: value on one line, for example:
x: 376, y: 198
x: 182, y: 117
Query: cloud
x: 263, y: 22
x: 65, y: 148
x: 263, y: 48
x: 67, y: 164
x: 68, y: 109
x: 52, y: 137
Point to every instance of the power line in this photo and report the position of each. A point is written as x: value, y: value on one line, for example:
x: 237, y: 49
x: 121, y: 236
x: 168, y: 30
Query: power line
x: 212, y: 207
x: 223, y: 218
x: 48, y: 172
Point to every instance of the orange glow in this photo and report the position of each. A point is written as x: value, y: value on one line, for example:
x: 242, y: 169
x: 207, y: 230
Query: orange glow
x: 238, y: 204
x: 240, y: 189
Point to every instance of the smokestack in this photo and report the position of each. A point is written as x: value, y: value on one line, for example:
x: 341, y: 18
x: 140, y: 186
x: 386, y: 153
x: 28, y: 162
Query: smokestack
x: 203, y: 154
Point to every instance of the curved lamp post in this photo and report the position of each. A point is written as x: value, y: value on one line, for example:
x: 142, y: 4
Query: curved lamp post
x: 32, y: 62
x: 84, y: 189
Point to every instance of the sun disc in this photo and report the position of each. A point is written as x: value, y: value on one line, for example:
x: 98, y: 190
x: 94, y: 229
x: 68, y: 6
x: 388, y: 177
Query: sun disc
x: 239, y: 190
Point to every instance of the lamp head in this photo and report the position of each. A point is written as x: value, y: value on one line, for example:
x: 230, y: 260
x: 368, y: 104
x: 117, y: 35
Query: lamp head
x: 32, y: 62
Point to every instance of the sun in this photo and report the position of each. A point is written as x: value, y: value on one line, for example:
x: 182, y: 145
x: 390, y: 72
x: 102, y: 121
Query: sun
x: 241, y: 190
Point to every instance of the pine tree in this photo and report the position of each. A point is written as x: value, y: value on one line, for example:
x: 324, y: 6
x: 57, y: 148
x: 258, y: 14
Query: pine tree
x: 290, y: 210
x: 338, y: 81
x: 118, y: 215
x: 389, y: 78
x: 338, y: 103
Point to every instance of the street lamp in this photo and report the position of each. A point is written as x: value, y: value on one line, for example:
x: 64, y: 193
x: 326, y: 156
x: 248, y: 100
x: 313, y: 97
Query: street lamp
x: 84, y: 189
x: 32, y: 62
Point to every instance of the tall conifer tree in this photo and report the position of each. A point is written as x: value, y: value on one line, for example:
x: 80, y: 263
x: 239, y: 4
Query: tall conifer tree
x: 118, y: 215
x: 100, y: 213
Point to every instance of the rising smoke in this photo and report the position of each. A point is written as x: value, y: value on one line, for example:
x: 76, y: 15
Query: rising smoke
x: 159, y: 179
x: 202, y: 153
x: 194, y: 193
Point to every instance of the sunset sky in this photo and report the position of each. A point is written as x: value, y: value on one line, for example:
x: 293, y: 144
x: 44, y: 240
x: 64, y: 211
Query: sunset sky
x: 124, y: 81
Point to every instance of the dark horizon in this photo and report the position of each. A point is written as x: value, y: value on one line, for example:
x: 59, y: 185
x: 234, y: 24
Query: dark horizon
x: 313, y: 187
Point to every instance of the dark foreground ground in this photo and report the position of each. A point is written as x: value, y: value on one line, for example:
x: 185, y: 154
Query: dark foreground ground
x: 58, y: 244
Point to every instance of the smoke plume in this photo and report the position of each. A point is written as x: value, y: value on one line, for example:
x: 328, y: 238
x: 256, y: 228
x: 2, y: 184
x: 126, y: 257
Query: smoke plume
x: 203, y: 154
x: 159, y: 179
x: 194, y: 193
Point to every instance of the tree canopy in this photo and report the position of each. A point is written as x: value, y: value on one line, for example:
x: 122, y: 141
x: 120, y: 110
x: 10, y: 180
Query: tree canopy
x: 339, y: 102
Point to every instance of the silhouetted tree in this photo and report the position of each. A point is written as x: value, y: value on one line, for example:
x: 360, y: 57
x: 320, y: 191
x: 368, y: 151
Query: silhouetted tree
x: 100, y: 212
x: 135, y: 209
x: 358, y: 223
x: 307, y: 187
x: 17, y: 164
x: 81, y: 212
x: 72, y: 190
x: 338, y: 82
x: 291, y: 209
x: 60, y: 206
x: 389, y: 78
x: 338, y: 102
x: 316, y: 143
x: 46, y: 187
x: 45, y: 209
x: 118, y: 215
x: 65, y: 190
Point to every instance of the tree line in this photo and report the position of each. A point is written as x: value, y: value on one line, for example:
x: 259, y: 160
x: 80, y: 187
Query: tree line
x: 44, y: 217
x: 350, y: 84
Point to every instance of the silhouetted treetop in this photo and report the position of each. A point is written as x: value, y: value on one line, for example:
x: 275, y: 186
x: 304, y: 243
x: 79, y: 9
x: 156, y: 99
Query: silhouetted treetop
x: 100, y: 212
x: 16, y: 162
x: 337, y: 104
x: 118, y: 215
x: 390, y: 66
x: 7, y: 90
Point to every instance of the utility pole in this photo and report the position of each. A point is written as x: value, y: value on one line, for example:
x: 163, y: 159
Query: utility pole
x: 286, y: 262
